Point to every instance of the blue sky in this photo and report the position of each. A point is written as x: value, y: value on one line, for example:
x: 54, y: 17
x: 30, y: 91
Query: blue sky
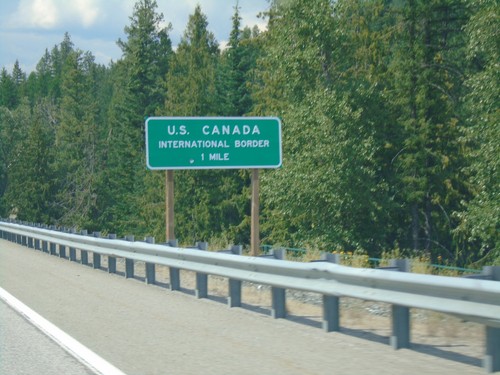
x: 28, y: 27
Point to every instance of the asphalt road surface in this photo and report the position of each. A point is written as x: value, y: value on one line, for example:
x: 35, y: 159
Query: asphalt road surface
x: 145, y: 330
x: 24, y: 350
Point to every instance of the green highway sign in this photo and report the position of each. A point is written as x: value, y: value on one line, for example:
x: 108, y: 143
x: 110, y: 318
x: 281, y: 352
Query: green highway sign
x: 213, y: 142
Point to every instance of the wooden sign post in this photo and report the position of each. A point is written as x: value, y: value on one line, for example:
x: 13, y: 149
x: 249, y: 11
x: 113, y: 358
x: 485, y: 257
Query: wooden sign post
x: 169, y: 205
x: 254, y: 228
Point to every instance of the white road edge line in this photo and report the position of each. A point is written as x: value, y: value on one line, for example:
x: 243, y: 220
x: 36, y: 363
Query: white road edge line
x: 83, y: 354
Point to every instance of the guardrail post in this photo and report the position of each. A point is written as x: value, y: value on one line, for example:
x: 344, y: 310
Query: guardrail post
x: 234, y: 286
x: 62, y: 248
x: 84, y: 255
x: 150, y: 267
x: 72, y: 250
x: 174, y: 273
x: 278, y: 295
x: 45, y: 246
x: 331, y: 304
x: 111, y: 259
x: 201, y: 290
x: 96, y: 257
x: 36, y: 240
x: 50, y: 246
x: 400, y: 337
x: 29, y: 242
x: 491, y: 361
x: 129, y: 263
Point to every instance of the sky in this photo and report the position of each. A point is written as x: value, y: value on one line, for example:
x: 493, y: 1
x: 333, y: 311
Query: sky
x: 29, y: 27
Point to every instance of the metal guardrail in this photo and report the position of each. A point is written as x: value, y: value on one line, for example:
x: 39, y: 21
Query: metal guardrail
x: 472, y: 299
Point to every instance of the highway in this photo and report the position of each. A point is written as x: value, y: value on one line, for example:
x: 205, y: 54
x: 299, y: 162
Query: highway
x: 26, y: 350
x: 143, y: 329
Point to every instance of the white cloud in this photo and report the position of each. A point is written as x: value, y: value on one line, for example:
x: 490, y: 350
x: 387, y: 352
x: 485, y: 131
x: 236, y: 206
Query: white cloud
x: 37, y: 13
x: 50, y: 14
x: 88, y: 10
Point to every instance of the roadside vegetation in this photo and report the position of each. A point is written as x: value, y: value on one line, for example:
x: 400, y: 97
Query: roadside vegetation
x: 390, y: 119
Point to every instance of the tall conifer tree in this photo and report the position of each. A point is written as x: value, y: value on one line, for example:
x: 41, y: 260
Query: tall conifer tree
x: 138, y: 92
x: 77, y: 157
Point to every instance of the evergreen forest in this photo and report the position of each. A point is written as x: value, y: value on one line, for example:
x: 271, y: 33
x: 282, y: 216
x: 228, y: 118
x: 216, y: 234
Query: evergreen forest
x: 390, y: 121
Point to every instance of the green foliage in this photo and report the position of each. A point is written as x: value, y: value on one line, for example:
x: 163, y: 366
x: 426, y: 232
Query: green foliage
x: 425, y: 82
x: 390, y: 128
x: 29, y: 193
x: 138, y: 81
x: 207, y: 203
x: 77, y: 146
x: 481, y: 218
x: 328, y: 191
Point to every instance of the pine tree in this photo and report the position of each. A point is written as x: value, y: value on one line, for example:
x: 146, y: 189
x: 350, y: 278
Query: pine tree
x: 211, y: 203
x: 236, y: 69
x: 8, y: 97
x: 146, y: 52
x: 77, y: 156
x: 191, y: 87
x: 13, y: 125
x: 29, y: 192
x: 138, y: 92
x: 479, y: 222
x: 427, y: 82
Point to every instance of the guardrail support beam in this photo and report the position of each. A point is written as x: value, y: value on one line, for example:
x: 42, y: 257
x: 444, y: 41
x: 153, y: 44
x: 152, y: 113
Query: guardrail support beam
x: 62, y: 251
x: 234, y: 286
x: 400, y: 337
x: 129, y: 263
x: 331, y: 304
x: 234, y: 299
x: 150, y: 267
x: 72, y: 254
x: 278, y: 308
x: 201, y: 290
x: 201, y: 285
x: 491, y: 361
x: 331, y: 315
x: 174, y: 273
x: 129, y: 268
x: 96, y: 257
x: 84, y: 255
x: 111, y: 259
x: 52, y: 245
x: 175, y: 278
x: 72, y: 250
